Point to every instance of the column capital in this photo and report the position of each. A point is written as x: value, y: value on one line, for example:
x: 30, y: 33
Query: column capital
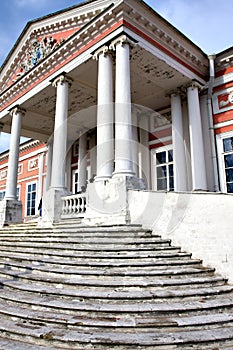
x: 102, y: 50
x: 61, y: 79
x: 195, y: 85
x: 17, y: 109
x: 179, y: 91
x: 122, y: 40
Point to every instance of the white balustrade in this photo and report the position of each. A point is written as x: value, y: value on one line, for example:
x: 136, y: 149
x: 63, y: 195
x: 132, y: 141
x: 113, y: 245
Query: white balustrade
x: 74, y: 205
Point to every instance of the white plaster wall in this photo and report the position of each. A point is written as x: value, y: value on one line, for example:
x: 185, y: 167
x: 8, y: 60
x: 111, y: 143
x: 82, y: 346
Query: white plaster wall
x: 201, y: 223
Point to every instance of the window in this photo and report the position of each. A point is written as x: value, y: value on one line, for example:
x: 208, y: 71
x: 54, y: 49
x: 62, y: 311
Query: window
x: 75, y: 179
x: 18, y: 193
x: 2, y: 195
x: 31, y: 199
x: 225, y: 154
x: 75, y: 182
x: 163, y: 170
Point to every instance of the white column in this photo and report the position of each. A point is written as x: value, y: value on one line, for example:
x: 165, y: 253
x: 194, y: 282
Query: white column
x: 123, y: 122
x: 135, y: 143
x: 1, y: 127
x: 196, y: 140
x: 49, y: 164
x: 180, y: 173
x: 40, y: 178
x: 12, y: 175
x: 144, y: 153
x: 68, y: 169
x: 93, y: 155
x: 105, y: 144
x: 60, y: 132
x: 82, y: 162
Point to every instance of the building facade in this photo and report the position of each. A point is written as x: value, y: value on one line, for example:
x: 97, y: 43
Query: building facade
x: 123, y: 101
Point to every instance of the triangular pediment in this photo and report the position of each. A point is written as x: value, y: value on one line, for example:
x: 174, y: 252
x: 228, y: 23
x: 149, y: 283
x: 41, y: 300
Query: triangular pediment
x: 42, y: 36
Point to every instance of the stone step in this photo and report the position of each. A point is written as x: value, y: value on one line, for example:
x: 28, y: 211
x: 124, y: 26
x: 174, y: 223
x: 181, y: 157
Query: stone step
x: 77, y: 339
x: 14, y: 303
x: 170, y: 289
x: 54, y: 265
x: 79, y: 240
x: 122, y: 322
x: 83, y: 251
x: 89, y: 246
x: 12, y: 258
x: 100, y: 259
x: 44, y: 274
x: 102, y: 256
x: 127, y: 293
x: 74, y: 232
x: 67, y: 281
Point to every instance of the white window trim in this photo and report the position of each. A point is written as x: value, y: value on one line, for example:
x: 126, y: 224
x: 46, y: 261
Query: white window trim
x: 75, y: 171
x: 153, y: 157
x: 36, y: 210
x: 221, y: 165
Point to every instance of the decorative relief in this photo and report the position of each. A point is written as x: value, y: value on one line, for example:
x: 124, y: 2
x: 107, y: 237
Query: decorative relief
x: 223, y: 101
x: 39, y: 49
x: 3, y: 174
x: 33, y: 164
x: 20, y: 169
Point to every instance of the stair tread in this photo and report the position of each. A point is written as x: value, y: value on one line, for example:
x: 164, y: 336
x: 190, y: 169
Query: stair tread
x: 108, y: 337
x: 108, y: 293
x: 118, y: 306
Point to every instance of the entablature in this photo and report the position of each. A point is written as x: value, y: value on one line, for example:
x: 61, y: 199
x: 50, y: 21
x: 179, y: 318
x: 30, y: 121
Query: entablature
x: 166, y: 37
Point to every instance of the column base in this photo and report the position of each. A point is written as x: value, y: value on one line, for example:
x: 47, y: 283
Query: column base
x: 108, y: 201
x: 102, y: 178
x: 10, y: 212
x: 52, y: 206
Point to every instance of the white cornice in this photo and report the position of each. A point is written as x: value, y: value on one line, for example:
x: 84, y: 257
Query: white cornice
x: 166, y: 35
x: 224, y: 79
x: 24, y: 147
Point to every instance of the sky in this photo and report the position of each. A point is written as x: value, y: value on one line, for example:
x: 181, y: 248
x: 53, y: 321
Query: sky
x: 206, y: 22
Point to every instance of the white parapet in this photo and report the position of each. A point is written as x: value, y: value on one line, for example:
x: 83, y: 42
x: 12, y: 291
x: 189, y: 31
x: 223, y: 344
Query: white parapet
x: 200, y: 223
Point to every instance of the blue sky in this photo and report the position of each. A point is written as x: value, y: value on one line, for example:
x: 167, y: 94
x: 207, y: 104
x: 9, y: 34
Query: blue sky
x: 206, y: 22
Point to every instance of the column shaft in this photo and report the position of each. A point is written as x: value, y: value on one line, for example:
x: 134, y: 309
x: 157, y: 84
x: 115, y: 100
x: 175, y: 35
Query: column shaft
x: 60, y: 133
x: 123, y: 122
x: 105, y: 144
x: 12, y: 175
x: 82, y: 162
x: 196, y: 140
x: 180, y: 173
x: 49, y: 165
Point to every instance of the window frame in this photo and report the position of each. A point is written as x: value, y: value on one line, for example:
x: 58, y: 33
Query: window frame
x: 221, y: 163
x: 155, y: 151
x: 26, y: 199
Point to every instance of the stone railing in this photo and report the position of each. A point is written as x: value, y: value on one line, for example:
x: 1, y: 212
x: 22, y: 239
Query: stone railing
x: 74, y: 205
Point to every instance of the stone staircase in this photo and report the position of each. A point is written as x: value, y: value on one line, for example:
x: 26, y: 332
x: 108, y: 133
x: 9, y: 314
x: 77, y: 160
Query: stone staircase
x: 74, y: 287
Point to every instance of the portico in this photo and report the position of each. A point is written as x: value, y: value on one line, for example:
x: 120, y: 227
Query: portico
x: 112, y: 82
